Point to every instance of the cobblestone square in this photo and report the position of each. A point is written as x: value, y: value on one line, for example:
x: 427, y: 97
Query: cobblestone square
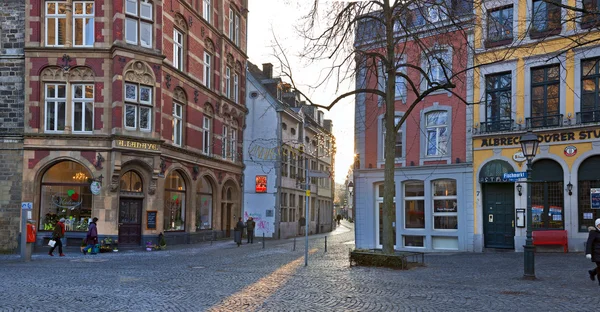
x: 224, y: 277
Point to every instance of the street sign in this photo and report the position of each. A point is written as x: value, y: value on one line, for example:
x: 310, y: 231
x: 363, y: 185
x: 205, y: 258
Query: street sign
x: 513, y: 176
x: 318, y: 174
x: 26, y: 205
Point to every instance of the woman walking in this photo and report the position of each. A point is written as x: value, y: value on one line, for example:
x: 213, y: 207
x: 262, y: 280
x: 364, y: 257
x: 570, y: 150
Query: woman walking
x: 592, y: 250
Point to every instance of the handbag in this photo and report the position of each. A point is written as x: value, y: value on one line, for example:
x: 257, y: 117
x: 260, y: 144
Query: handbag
x: 51, y: 243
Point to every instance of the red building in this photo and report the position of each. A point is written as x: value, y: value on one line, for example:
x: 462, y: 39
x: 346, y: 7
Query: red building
x: 433, y: 180
x: 144, y: 97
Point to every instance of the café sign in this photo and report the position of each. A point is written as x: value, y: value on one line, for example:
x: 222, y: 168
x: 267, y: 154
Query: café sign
x: 544, y: 138
x: 137, y: 145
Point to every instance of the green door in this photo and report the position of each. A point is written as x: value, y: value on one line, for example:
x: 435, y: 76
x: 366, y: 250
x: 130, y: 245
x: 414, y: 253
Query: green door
x: 498, y: 215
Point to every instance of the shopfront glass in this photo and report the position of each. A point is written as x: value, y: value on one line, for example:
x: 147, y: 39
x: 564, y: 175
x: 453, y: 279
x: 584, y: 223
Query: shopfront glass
x: 588, y: 190
x: 65, y: 193
x: 204, y: 205
x: 445, y: 207
x: 174, y: 213
x: 547, y: 195
x: 414, y: 205
x: 380, y: 213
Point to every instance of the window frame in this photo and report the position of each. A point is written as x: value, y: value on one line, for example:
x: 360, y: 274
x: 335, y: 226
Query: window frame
x: 437, y: 128
x: 56, y: 102
x: 236, y: 90
x: 535, y: 32
x: 228, y: 82
x: 56, y: 16
x: 206, y: 10
x: 400, y: 134
x: 140, y: 21
x: 224, y: 141
x: 207, y: 69
x: 233, y: 142
x: 234, y: 26
x: 429, y: 65
x: 178, y: 48
x: 498, y: 92
x: 440, y: 198
x: 177, y: 124
x: 407, y: 198
x: 503, y: 21
x: 84, y: 16
x: 206, y: 134
x: 589, y: 19
x: 84, y: 100
x: 138, y: 105
x: 545, y: 84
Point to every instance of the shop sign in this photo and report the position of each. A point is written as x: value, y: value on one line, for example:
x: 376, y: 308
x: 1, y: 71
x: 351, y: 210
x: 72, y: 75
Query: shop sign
x: 519, y: 157
x: 71, y: 200
x: 544, y: 138
x: 95, y: 187
x: 595, y: 198
x: 137, y: 145
x: 570, y: 151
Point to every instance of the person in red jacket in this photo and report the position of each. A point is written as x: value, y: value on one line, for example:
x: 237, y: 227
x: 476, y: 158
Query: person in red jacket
x: 57, y: 234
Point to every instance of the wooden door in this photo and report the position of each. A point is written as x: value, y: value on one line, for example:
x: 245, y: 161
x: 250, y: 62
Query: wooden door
x: 498, y: 215
x: 130, y: 222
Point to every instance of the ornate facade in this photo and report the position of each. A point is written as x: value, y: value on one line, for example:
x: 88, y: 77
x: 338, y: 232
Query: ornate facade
x: 143, y: 99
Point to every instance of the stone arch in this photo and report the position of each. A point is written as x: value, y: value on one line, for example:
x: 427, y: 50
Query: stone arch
x: 496, y: 165
x: 180, y: 95
x: 56, y: 73
x: 81, y: 73
x: 180, y: 22
x: 140, y: 72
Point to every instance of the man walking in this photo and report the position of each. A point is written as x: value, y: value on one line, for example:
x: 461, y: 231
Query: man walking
x: 57, y: 234
x: 250, y: 224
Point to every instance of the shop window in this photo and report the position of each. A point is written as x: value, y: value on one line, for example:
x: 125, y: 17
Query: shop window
x: 547, y: 198
x: 65, y: 193
x: 139, y: 22
x: 414, y: 205
x: 588, y: 182
x: 174, y: 205
x: 204, y: 204
x: 445, y: 206
x: 138, y: 107
x: 379, y: 202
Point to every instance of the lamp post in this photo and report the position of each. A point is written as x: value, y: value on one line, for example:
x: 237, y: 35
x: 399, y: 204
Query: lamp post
x: 529, y: 145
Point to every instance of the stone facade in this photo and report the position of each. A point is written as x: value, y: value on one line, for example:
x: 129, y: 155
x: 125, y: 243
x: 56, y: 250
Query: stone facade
x: 12, y: 26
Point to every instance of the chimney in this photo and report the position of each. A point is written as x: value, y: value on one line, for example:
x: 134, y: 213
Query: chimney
x: 267, y: 70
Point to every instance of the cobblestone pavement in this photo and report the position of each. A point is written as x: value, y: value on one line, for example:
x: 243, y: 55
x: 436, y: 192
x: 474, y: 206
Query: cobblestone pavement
x: 224, y: 277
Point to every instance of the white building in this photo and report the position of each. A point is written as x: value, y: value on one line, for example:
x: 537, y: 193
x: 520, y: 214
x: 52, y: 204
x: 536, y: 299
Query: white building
x: 281, y: 132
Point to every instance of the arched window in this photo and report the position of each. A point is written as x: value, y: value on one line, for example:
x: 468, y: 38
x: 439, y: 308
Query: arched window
x: 139, y: 100
x: 66, y: 194
x: 131, y: 183
x: 588, y: 180
x: 174, y: 213
x: 204, y: 204
x: 547, y: 196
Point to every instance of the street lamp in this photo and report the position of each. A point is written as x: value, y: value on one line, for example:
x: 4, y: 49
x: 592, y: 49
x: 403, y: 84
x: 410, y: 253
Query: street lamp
x: 529, y: 145
x: 350, y: 187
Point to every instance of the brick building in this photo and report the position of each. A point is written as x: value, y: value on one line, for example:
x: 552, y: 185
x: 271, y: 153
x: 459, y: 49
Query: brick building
x: 432, y: 152
x: 12, y: 64
x: 134, y: 114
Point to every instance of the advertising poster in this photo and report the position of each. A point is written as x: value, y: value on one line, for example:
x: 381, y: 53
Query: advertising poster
x: 595, y: 198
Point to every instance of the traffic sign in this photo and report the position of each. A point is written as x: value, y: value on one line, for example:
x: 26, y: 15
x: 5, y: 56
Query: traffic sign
x: 26, y: 205
x: 513, y: 176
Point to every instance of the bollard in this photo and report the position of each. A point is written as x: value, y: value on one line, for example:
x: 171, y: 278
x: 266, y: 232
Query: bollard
x: 263, y: 240
x: 325, y: 243
x: 294, y: 244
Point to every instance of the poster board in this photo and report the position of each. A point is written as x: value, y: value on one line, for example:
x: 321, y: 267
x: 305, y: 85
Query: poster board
x: 595, y: 198
x: 151, y: 219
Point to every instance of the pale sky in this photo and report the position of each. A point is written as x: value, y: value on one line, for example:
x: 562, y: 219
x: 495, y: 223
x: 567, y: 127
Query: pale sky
x: 278, y: 17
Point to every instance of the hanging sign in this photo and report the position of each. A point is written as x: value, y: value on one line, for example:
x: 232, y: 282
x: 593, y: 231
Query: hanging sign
x: 95, y: 187
x: 595, y: 198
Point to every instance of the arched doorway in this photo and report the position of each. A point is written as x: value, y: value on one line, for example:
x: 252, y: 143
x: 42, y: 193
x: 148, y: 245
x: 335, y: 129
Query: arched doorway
x: 131, y: 198
x: 498, y: 205
x: 588, y: 180
x: 174, y: 209
x: 229, y: 213
x: 204, y: 204
x: 65, y: 193
x: 547, y: 195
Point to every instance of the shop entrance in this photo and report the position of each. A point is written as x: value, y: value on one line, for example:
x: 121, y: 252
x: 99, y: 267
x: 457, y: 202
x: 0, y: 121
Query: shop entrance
x: 130, y: 221
x: 498, y: 215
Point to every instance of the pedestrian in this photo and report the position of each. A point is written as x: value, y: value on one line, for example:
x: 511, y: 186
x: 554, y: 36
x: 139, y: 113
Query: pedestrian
x: 239, y: 228
x: 57, y: 234
x: 91, y: 238
x: 250, y: 224
x: 592, y: 250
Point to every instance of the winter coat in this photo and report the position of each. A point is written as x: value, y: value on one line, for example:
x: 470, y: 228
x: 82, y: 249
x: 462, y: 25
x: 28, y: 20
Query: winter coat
x: 592, y: 247
x: 239, y: 226
x: 250, y: 224
x: 59, y: 230
x: 92, y: 234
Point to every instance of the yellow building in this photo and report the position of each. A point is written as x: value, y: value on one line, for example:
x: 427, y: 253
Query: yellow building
x: 535, y: 72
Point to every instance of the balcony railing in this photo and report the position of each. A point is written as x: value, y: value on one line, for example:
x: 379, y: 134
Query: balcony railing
x: 497, y: 126
x: 587, y: 117
x: 547, y: 121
